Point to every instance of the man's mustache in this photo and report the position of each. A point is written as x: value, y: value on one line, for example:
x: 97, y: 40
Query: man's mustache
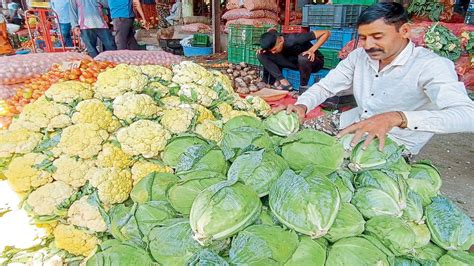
x: 373, y: 50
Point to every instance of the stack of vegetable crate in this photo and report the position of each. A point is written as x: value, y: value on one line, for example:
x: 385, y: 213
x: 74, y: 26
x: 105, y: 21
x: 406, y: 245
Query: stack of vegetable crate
x: 244, y: 41
x: 340, y: 19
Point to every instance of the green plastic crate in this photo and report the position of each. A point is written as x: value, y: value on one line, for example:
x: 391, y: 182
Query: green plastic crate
x: 236, y: 53
x: 246, y: 34
x: 201, y: 40
x: 330, y: 58
x: 354, y: 2
x: 251, y: 55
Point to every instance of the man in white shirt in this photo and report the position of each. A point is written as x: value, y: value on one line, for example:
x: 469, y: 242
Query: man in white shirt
x: 401, y: 90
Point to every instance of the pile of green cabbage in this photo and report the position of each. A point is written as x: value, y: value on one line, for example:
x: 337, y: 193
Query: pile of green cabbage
x: 272, y: 194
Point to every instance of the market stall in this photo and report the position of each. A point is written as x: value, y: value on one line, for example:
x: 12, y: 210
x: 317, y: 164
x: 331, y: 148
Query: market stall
x: 152, y: 158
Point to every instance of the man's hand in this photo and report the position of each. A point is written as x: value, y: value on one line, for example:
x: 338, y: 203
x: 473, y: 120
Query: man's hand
x: 311, y: 54
x: 259, y: 51
x: 77, y: 31
x: 375, y: 126
x: 299, y: 110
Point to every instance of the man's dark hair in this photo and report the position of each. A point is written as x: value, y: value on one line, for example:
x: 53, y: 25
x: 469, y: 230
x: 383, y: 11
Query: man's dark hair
x: 391, y: 13
x: 268, y: 39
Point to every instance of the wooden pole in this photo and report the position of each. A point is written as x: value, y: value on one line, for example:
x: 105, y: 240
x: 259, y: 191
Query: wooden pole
x: 216, y: 25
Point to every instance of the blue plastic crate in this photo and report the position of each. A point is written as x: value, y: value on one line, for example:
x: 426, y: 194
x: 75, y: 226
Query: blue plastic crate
x: 293, y: 76
x: 339, y: 37
x: 196, y: 51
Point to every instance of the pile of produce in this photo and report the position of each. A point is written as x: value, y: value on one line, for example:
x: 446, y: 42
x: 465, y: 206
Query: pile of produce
x: 246, y: 78
x: 156, y: 166
x: 86, y: 71
x: 431, y: 9
x: 443, y: 42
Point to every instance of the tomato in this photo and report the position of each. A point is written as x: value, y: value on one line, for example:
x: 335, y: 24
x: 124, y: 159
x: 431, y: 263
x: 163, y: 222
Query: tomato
x: 73, y: 77
x: 76, y: 72
x: 90, y: 80
x: 87, y: 74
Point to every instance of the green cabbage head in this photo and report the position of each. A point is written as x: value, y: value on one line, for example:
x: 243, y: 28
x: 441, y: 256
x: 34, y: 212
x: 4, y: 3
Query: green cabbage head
x: 356, y: 251
x: 349, y: 222
x: 258, y: 169
x: 153, y: 187
x: 182, y: 194
x: 121, y: 254
x: 458, y: 258
x: 372, y: 158
x: 263, y: 242
x: 177, y: 146
x: 450, y: 227
x: 312, y: 148
x: 222, y: 210
x: 394, y: 233
x: 282, y: 124
x: 306, y: 204
x: 309, y: 252
x: 425, y: 180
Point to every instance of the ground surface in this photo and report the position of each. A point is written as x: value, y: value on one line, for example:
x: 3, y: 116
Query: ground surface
x: 453, y: 154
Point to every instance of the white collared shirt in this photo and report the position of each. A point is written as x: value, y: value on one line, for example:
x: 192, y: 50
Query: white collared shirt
x: 418, y: 82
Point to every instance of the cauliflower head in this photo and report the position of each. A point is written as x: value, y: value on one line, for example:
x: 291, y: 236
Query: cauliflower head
x: 209, y: 130
x: 113, y: 184
x: 131, y: 105
x: 156, y: 90
x: 18, y: 141
x: 23, y: 174
x: 177, y: 120
x: 199, y: 94
x: 71, y: 170
x: 144, y: 137
x: 227, y: 113
x: 118, y: 80
x: 113, y: 156
x: 83, y: 140
x: 46, y: 199
x: 190, y: 72
x: 69, y: 91
x: 222, y: 80
x: 261, y: 107
x: 43, y: 114
x: 203, y: 113
x: 157, y: 72
x: 74, y: 241
x: 241, y: 104
x: 83, y: 214
x: 171, y: 101
x: 95, y: 112
x: 143, y: 168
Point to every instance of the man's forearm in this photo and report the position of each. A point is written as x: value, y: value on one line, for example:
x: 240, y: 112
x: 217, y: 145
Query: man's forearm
x: 138, y: 6
x: 450, y: 120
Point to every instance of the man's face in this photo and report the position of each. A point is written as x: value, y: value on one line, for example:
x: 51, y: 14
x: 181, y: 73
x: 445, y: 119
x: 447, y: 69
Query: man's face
x: 278, y: 46
x: 382, y: 41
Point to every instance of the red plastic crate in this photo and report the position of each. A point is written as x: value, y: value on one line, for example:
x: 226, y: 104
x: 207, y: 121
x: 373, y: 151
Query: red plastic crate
x: 294, y: 29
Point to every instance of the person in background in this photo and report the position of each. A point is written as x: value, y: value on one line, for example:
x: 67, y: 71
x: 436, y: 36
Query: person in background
x: 122, y: 18
x: 87, y: 20
x: 404, y: 91
x: 175, y: 13
x: 294, y: 51
x: 14, y: 11
x: 61, y: 7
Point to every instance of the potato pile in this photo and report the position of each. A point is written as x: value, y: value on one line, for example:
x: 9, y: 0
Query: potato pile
x: 246, y: 79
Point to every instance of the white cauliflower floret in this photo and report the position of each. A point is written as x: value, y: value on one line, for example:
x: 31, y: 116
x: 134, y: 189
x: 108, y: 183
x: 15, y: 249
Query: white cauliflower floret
x: 241, y: 104
x: 177, y: 120
x: 189, y: 72
x: 18, y: 141
x: 223, y: 80
x: 227, y: 113
x: 83, y: 140
x: 118, y: 80
x: 143, y: 168
x: 210, y: 130
x: 69, y: 91
x: 199, y: 94
x: 23, y: 174
x: 46, y: 199
x: 144, y: 137
x: 83, y: 214
x: 113, y: 184
x: 113, y: 156
x: 203, y: 113
x: 43, y: 114
x: 72, y: 171
x: 261, y: 107
x: 157, y: 72
x: 95, y: 112
x: 171, y: 101
x: 130, y: 106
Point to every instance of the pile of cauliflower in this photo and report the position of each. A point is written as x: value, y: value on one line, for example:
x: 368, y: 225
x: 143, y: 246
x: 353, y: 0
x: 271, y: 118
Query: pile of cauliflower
x: 80, y: 149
